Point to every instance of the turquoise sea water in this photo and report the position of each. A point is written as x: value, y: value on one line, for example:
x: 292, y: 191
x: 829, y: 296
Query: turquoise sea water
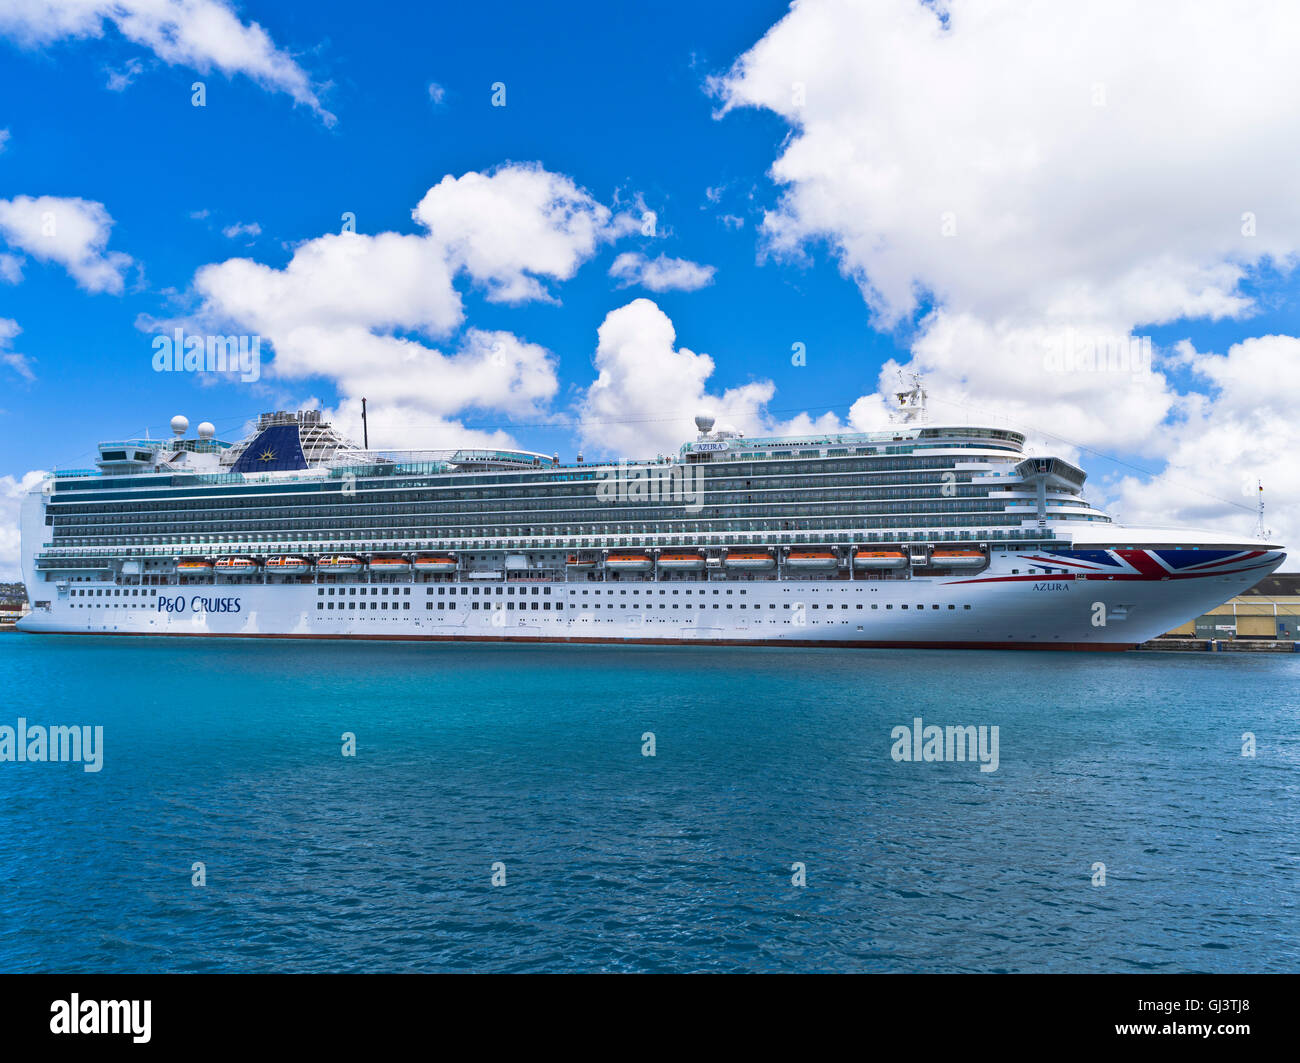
x: 228, y: 752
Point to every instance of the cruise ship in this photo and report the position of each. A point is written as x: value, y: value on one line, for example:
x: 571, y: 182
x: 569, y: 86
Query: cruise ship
x: 920, y: 535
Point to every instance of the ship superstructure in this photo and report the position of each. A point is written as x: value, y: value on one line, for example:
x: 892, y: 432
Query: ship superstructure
x: 917, y: 535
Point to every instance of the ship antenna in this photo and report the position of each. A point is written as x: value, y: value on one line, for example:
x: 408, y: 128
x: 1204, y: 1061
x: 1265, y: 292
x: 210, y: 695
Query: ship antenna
x: 1261, y: 532
x: 365, y: 431
x: 911, y: 400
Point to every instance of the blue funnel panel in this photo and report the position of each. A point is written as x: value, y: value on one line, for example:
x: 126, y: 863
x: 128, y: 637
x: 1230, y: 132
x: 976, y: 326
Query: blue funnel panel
x: 277, y: 449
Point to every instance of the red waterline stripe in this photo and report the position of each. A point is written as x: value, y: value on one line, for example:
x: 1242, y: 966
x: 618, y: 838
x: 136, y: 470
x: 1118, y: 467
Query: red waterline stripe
x: 1096, y: 647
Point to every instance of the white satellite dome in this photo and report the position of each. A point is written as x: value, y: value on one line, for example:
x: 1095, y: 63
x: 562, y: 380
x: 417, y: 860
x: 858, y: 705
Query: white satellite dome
x: 207, y: 430
x: 180, y: 425
x: 704, y: 422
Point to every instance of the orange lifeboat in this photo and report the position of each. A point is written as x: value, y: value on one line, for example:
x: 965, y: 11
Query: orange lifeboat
x: 629, y: 562
x: 957, y: 559
x: 749, y: 561
x: 434, y: 563
x: 338, y: 564
x: 681, y: 562
x: 879, y: 559
x: 812, y: 561
x: 286, y: 565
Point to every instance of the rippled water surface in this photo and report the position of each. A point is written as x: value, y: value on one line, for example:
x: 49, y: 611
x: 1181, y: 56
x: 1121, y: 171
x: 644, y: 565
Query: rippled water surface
x: 228, y: 752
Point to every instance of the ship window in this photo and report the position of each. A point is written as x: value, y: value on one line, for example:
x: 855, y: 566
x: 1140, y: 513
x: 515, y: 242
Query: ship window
x: 952, y: 607
x: 965, y: 606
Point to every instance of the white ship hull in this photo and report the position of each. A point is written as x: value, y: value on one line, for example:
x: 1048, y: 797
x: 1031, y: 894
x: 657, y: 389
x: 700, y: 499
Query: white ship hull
x: 1089, y: 608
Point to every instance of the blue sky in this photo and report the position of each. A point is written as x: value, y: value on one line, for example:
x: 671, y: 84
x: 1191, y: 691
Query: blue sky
x: 617, y: 104
x: 627, y: 105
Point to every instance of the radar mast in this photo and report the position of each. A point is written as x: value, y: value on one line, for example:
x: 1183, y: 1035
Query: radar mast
x: 911, y: 400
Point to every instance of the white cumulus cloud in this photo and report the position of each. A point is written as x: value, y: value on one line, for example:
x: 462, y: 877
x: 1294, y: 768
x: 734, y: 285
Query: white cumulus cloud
x: 201, y: 34
x: 1049, y: 179
x: 71, y: 232
x: 370, y: 313
x: 648, y: 390
x: 13, y: 489
x: 515, y: 228
x: 660, y: 274
x: 239, y: 228
x: 19, y: 363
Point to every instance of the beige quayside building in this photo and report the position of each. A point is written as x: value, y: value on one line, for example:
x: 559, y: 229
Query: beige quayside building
x: 1270, y: 610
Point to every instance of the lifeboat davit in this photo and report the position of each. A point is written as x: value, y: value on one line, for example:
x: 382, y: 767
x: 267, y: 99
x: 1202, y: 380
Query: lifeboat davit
x: 880, y: 559
x: 434, y: 563
x: 338, y: 563
x: 957, y: 559
x: 750, y: 561
x: 286, y: 565
x: 236, y: 566
x: 681, y: 563
x: 812, y: 561
x: 629, y: 563
x: 194, y: 568
x: 389, y: 564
